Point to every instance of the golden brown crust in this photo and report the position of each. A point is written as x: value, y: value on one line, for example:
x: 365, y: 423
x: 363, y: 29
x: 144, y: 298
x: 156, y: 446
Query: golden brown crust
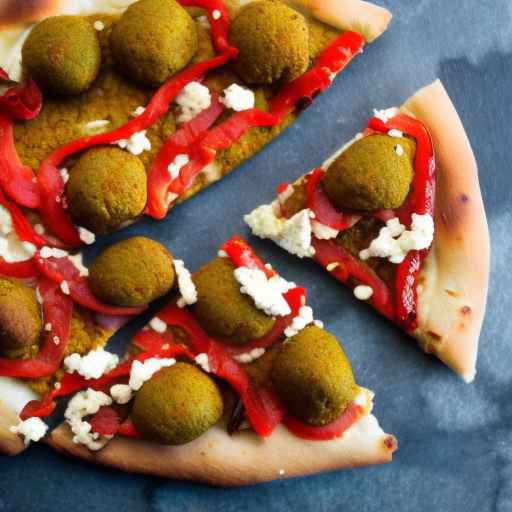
x: 365, y: 18
x: 218, y: 459
x: 455, y: 278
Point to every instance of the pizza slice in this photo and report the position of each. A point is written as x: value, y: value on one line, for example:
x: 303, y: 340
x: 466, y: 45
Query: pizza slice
x: 149, y: 102
x: 397, y: 215
x: 55, y: 317
x: 232, y: 383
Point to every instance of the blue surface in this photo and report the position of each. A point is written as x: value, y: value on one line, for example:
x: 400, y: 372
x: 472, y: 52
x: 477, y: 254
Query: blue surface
x: 455, y: 440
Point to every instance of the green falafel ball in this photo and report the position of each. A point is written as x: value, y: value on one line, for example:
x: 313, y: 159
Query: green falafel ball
x: 221, y: 308
x: 177, y: 405
x: 106, y: 187
x: 20, y: 315
x: 133, y: 272
x: 62, y: 54
x: 153, y: 40
x: 374, y: 173
x: 313, y: 376
x: 273, y: 40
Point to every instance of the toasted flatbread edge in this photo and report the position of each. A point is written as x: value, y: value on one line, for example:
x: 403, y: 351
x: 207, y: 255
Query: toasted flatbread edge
x: 451, y: 305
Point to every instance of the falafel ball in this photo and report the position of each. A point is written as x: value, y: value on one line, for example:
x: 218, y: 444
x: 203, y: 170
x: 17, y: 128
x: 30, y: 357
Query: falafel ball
x: 273, y: 40
x: 133, y: 272
x: 62, y: 54
x: 313, y: 376
x: 153, y: 40
x: 20, y: 315
x: 374, y: 173
x: 107, y: 187
x: 177, y: 405
x: 221, y: 308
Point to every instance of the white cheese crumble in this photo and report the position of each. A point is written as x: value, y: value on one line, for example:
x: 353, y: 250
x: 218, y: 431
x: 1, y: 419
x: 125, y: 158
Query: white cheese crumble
x: 216, y: 14
x: 76, y: 259
x: 12, y: 249
x: 56, y: 340
x: 136, y: 144
x: 64, y: 286
x: 138, y: 111
x: 39, y: 229
x: 394, y: 241
x: 87, y: 237
x: 142, y: 372
x: 363, y: 292
x: 386, y: 114
x: 323, y: 232
x: 158, y: 325
x: 305, y: 317
x: 84, y: 404
x: 64, y: 174
x: 399, y: 150
x: 222, y: 254
x: 238, y: 98
x: 176, y: 165
x: 32, y: 429
x: 185, y: 284
x: 203, y: 362
x: 97, y: 125
x: 293, y: 234
x: 267, y: 293
x: 249, y: 357
x: 93, y: 365
x: 99, y: 25
x: 48, y: 327
x: 395, y: 133
x: 194, y: 98
x: 121, y: 393
x: 52, y: 252
x: 319, y: 324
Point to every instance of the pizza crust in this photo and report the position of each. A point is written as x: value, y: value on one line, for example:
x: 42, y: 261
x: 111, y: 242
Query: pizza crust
x: 219, y: 459
x: 454, y: 280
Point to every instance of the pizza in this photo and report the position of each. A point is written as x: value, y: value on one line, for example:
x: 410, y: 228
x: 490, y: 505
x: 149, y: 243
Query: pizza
x: 57, y: 315
x: 232, y: 382
x: 397, y: 215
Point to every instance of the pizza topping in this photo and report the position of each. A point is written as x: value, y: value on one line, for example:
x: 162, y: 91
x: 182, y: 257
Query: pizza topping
x: 194, y: 98
x: 93, y: 365
x: 121, y: 393
x: 363, y: 292
x: 99, y: 25
x: 203, y: 362
x: 86, y: 236
x: 322, y: 231
x: 158, y: 325
x: 136, y: 144
x: 176, y: 165
x: 32, y: 429
x: 238, y: 98
x: 305, y: 317
x: 12, y: 249
x: 385, y: 114
x: 142, y: 372
x: 185, y: 284
x: 249, y: 357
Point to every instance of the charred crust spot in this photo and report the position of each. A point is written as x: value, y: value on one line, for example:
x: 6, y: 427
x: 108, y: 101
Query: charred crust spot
x: 390, y: 443
x: 464, y: 198
x: 452, y: 293
x: 465, y: 310
x: 434, y: 335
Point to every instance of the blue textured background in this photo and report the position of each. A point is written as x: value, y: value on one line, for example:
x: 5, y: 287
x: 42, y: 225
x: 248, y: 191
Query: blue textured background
x: 455, y: 440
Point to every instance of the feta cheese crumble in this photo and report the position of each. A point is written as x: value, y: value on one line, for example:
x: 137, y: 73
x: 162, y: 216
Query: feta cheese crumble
x: 99, y: 25
x: 64, y: 174
x: 394, y: 241
x: 158, y: 325
x: 238, y: 98
x: 395, y: 133
x: 84, y: 404
x: 121, y: 393
x: 76, y: 259
x: 39, y: 229
x: 363, y: 292
x: 93, y: 365
x: 138, y: 111
x: 323, y: 232
x: 185, y: 284
x: 399, y: 150
x: 293, y: 234
x: 136, y: 144
x: 386, y: 114
x: 64, y: 286
x: 194, y: 98
x: 95, y: 126
x: 267, y: 293
x: 176, y: 165
x: 203, y: 362
x: 12, y: 249
x: 52, y: 252
x: 87, y: 237
x: 216, y: 14
x: 32, y: 429
x: 305, y: 317
x: 249, y: 357
x: 142, y: 372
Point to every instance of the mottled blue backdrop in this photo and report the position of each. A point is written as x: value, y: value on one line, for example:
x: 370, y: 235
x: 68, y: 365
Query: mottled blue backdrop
x: 455, y: 439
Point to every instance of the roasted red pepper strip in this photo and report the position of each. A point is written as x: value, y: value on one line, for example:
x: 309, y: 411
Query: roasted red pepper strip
x: 127, y: 429
x: 105, y: 422
x: 420, y: 201
x: 19, y: 269
x: 327, y: 252
x: 63, y: 269
x: 20, y: 102
x: 331, y: 61
x: 242, y: 255
x: 331, y: 431
x: 159, y: 178
x: 57, y: 309
x: 262, y: 406
x: 321, y: 206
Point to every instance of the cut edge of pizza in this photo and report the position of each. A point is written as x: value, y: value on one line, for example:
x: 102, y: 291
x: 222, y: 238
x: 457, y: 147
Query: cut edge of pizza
x: 256, y: 438
x: 441, y: 269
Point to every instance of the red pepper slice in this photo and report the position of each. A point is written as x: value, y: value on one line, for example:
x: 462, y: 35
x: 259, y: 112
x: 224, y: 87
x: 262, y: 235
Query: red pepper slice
x: 243, y: 255
x: 159, y: 178
x: 127, y: 429
x: 57, y: 309
x: 420, y: 201
x: 19, y: 269
x: 105, y: 422
x: 332, y: 60
x: 331, y: 431
x: 327, y: 251
x: 21, y: 101
x: 321, y: 206
x: 63, y: 269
